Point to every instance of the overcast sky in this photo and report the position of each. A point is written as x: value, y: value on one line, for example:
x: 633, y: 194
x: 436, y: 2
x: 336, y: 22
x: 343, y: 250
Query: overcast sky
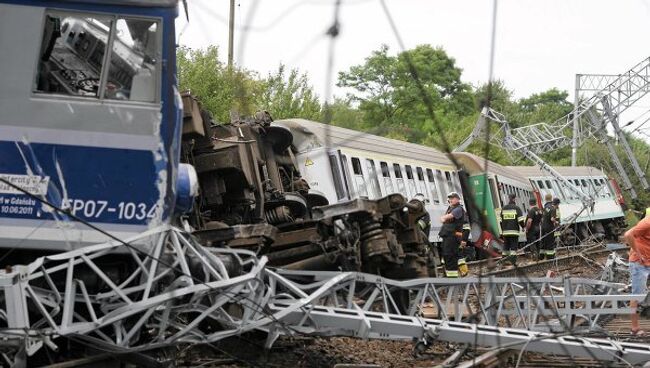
x: 540, y: 44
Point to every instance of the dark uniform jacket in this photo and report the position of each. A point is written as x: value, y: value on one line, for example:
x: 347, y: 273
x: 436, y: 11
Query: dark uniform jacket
x: 510, y: 215
x: 549, y: 216
x: 455, y: 226
x: 535, y: 214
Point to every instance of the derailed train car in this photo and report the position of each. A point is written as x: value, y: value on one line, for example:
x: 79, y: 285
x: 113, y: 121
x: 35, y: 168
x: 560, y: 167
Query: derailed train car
x: 604, y: 219
x: 254, y: 195
x: 344, y: 164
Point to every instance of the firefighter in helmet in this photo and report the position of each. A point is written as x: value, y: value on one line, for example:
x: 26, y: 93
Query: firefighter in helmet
x: 452, y: 233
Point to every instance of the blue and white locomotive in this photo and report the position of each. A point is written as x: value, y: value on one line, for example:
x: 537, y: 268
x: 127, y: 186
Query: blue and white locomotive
x: 90, y: 120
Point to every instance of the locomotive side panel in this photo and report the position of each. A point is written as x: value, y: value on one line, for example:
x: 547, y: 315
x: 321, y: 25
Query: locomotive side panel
x: 86, y: 122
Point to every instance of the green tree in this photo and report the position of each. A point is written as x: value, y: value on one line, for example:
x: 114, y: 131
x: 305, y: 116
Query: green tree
x: 220, y: 88
x: 392, y: 104
x: 344, y: 114
x: 289, y: 95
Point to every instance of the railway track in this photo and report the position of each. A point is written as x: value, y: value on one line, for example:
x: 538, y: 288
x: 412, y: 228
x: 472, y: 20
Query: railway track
x: 526, y: 264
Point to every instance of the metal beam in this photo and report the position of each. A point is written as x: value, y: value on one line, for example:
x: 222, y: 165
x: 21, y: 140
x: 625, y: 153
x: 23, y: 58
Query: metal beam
x: 329, y: 321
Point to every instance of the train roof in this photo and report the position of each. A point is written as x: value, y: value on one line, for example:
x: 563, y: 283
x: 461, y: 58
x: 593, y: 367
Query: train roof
x: 535, y: 171
x: 310, y: 134
x: 474, y: 164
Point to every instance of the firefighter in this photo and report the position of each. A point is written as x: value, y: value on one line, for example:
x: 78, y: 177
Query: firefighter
x: 424, y: 224
x: 557, y: 233
x: 452, y: 233
x: 467, y: 250
x: 533, y: 227
x: 510, y: 215
x: 549, y: 222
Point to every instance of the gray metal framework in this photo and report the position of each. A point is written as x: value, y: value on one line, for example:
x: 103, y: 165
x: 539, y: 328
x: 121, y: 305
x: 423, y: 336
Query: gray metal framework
x: 178, y: 291
x: 590, y: 119
x: 343, y: 322
x: 543, y: 137
x: 539, y: 304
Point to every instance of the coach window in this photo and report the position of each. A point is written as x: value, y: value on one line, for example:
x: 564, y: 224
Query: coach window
x: 401, y: 188
x: 441, y: 184
x: 450, y: 183
x: 606, y: 192
x: 375, y: 191
x: 421, y: 184
x: 385, y: 173
x: 432, y: 187
x: 608, y: 188
x: 585, y: 187
x: 456, y: 180
x: 600, y: 188
x: 411, y: 180
x: 578, y: 185
x: 359, y: 181
x: 594, y: 183
x: 559, y: 189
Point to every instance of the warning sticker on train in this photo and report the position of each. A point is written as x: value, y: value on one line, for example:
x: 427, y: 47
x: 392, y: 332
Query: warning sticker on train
x: 309, y: 162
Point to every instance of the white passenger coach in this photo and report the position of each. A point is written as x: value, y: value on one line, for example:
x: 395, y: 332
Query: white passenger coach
x: 344, y: 164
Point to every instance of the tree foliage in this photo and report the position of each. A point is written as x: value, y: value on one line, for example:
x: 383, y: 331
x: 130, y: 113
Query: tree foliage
x: 223, y: 90
x: 289, y: 94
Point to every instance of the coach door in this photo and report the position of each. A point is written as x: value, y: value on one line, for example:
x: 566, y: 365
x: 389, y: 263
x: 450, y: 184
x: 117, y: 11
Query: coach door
x: 340, y: 180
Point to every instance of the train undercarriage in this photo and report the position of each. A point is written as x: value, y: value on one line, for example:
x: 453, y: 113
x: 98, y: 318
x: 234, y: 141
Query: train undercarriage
x: 252, y: 197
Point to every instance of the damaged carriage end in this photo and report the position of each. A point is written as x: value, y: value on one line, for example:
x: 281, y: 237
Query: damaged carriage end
x: 252, y: 196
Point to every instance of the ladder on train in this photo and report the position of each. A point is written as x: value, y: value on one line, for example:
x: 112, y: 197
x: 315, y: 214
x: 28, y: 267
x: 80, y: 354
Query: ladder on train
x: 591, y: 118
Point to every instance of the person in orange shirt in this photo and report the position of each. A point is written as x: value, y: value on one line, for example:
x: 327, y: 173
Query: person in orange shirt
x: 638, y: 238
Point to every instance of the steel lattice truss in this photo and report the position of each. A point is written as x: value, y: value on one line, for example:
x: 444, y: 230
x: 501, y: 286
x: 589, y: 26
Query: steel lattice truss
x: 542, y: 304
x: 178, y: 291
x: 594, y: 114
x: 503, y: 137
x: 590, y: 119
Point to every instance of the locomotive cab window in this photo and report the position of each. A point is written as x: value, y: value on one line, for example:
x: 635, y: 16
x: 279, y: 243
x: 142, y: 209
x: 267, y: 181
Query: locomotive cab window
x: 97, y: 56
